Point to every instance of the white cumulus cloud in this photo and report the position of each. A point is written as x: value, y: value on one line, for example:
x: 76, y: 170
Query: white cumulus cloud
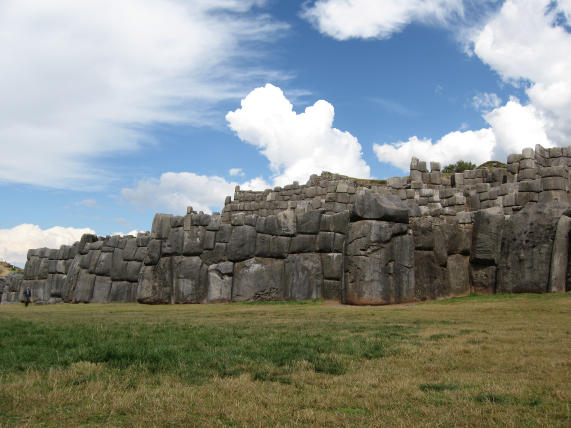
x: 476, y: 146
x: 345, y: 19
x: 82, y: 79
x: 174, y: 192
x: 523, y: 43
x: 236, y: 172
x: 15, y: 242
x: 486, y: 101
x: 296, y: 144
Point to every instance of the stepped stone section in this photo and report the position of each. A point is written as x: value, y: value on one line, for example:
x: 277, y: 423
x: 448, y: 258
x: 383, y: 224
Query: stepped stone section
x: 429, y: 235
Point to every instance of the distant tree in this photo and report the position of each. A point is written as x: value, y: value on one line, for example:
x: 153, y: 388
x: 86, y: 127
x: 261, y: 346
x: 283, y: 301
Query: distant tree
x: 459, y: 166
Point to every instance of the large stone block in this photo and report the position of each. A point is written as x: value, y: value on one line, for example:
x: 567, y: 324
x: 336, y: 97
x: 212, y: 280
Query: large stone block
x: 287, y: 223
x: 430, y: 278
x: 332, y: 290
x: 130, y: 250
x: 486, y: 236
x: 560, y: 256
x: 101, y: 290
x: 458, y: 275
x: 242, y: 244
x: 118, y: 266
x: 84, y: 287
x: 370, y: 205
x: 332, y: 265
x: 303, y: 276
x: 303, y: 244
x: 123, y: 292
x: 423, y: 234
x: 220, y: 282
x: 309, y: 222
x: 338, y: 222
x: 103, y: 265
x: 190, y: 280
x: 155, y: 283
x: 483, y: 278
x: 193, y: 241
x: 268, y: 225
x: 382, y: 273
x: 176, y: 240
x: 366, y: 233
x: 153, y: 252
x: 132, y: 271
x: 161, y: 226
x: 258, y: 279
x: 526, y: 249
x: 217, y: 255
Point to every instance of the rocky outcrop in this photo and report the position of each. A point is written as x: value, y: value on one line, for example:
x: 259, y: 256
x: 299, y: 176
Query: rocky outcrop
x: 426, y: 236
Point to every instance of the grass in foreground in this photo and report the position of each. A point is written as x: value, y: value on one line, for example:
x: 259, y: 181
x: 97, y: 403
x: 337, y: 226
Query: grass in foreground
x: 480, y: 360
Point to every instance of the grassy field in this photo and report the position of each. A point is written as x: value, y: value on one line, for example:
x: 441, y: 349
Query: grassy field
x: 481, y: 360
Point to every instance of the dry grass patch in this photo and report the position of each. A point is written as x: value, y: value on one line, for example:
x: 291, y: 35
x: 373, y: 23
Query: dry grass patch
x: 495, y: 361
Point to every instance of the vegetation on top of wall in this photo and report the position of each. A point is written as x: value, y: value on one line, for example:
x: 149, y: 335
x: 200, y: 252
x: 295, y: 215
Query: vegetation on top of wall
x: 459, y: 166
x: 492, y: 165
x: 6, y: 268
x: 365, y: 182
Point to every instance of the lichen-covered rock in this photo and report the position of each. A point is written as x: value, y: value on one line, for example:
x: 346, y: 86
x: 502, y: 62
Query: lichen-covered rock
x: 487, y: 236
x: 155, y: 283
x: 526, y: 249
x: 303, y: 276
x: 242, y: 244
x: 190, y: 280
x: 379, y: 264
x: 220, y: 282
x: 258, y: 279
x: 370, y: 205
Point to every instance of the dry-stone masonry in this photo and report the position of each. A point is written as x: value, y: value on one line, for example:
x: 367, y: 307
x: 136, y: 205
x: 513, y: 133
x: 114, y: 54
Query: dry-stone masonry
x: 429, y: 235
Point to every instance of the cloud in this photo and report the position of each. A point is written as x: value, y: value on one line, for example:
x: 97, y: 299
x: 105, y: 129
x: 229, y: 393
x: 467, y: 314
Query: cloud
x: 486, y: 101
x: 516, y: 127
x: 15, y: 242
x: 513, y: 127
x: 392, y: 106
x: 476, y: 146
x: 236, y: 172
x: 174, y: 192
x: 345, y: 19
x: 90, y: 203
x: 526, y: 43
x: 133, y: 232
x: 296, y: 145
x: 83, y: 80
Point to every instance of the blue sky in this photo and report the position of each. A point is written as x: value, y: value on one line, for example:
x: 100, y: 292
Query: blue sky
x: 112, y: 111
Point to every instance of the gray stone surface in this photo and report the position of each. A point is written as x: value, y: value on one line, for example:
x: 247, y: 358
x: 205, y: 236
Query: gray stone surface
x: 430, y: 278
x: 483, y: 278
x: 155, y: 283
x: 309, y: 222
x: 560, y: 256
x: 526, y: 249
x: 242, y: 244
x: 379, y: 265
x: 190, y: 280
x: 486, y: 237
x: 458, y: 275
x: 220, y: 282
x: 258, y: 279
x: 369, y: 205
x: 303, y: 276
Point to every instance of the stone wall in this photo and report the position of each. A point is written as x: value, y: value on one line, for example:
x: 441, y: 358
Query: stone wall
x: 429, y: 235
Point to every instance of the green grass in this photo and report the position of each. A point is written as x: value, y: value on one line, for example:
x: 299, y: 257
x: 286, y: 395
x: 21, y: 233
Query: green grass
x: 475, y: 361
